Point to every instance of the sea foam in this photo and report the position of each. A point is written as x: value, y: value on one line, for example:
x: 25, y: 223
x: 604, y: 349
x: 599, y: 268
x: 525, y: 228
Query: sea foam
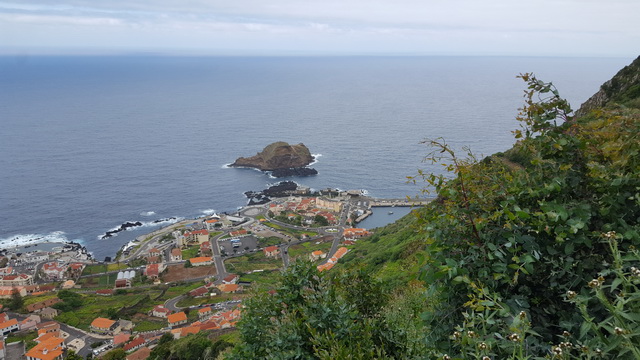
x: 30, y: 239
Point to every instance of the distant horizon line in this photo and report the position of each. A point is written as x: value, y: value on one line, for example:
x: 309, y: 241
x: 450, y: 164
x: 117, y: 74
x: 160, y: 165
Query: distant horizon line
x: 275, y: 55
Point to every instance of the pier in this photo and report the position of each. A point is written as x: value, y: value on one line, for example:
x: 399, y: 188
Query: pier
x: 398, y: 202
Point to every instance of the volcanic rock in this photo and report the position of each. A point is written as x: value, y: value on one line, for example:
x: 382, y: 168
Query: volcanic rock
x: 279, y: 155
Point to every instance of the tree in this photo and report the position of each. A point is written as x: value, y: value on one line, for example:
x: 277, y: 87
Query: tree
x: 71, y: 355
x: 17, y: 301
x: 321, y: 220
x: 116, y: 354
x: 188, y: 264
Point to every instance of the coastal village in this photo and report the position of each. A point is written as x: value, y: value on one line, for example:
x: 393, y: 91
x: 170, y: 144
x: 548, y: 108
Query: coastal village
x: 186, y: 278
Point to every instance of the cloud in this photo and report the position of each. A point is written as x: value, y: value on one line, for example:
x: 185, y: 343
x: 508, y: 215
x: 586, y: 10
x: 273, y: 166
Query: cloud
x: 418, y: 25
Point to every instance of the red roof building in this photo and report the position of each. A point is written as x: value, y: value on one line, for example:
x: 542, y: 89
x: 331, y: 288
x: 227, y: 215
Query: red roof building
x: 199, y: 292
x: 104, y: 292
x: 134, y: 344
x: 271, y: 251
x: 231, y: 279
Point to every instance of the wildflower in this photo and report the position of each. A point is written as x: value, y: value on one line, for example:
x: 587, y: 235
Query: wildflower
x: 571, y: 294
x: 565, y: 344
x: 471, y: 334
x: 486, y: 358
x: 513, y: 337
x: 609, y: 234
x: 619, y: 331
x: 482, y: 346
x: 566, y: 333
x: 522, y: 315
x: 557, y: 351
x: 446, y: 357
x: 598, y: 352
x: 457, y: 335
x: 584, y: 349
x: 635, y: 272
x: 596, y: 283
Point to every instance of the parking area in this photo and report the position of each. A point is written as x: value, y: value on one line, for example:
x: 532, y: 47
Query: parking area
x: 238, y: 245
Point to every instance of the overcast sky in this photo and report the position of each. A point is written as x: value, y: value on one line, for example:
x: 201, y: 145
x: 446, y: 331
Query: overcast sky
x: 325, y: 27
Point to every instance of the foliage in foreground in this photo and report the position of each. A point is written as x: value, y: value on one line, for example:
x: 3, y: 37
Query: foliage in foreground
x: 524, y: 229
x: 192, y: 347
x: 314, y: 316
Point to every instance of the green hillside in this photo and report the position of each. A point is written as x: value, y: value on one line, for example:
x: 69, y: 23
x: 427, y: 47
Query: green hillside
x: 531, y: 253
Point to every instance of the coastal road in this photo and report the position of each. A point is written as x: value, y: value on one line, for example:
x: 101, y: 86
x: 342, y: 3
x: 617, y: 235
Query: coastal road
x: 221, y: 272
x: 337, y: 236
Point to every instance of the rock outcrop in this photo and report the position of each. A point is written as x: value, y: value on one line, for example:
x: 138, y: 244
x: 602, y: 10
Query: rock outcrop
x: 623, y: 88
x: 284, y: 188
x: 279, y: 155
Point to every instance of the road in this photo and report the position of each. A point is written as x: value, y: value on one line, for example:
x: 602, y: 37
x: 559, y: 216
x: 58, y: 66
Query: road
x: 221, y: 271
x: 171, y: 303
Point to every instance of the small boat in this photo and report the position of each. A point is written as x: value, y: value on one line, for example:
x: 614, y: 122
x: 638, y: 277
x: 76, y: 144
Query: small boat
x: 390, y: 212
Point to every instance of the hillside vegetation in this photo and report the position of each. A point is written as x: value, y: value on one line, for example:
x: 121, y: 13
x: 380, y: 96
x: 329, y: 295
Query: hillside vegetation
x: 531, y: 253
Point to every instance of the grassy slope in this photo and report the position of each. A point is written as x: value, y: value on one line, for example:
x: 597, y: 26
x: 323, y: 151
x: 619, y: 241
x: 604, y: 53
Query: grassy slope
x: 393, y: 252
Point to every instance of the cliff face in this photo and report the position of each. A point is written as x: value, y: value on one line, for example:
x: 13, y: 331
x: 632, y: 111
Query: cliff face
x: 279, y: 155
x: 623, y: 88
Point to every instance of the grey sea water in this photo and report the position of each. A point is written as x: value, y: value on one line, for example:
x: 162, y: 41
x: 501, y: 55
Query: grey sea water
x: 88, y: 143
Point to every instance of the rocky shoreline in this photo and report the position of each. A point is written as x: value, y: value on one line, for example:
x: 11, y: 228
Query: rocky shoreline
x: 130, y: 225
x: 282, y: 189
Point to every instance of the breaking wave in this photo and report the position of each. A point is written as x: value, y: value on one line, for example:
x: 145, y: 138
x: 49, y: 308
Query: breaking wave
x: 29, y: 239
x: 131, y: 225
x: 315, y: 158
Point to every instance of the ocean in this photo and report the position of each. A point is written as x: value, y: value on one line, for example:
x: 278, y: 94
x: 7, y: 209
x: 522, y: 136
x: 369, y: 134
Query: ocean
x: 88, y: 143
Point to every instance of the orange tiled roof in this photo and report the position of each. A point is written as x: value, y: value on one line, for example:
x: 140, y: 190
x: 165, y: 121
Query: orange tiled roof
x: 44, y: 336
x: 102, y: 323
x: 177, y: 317
x: 46, y: 350
x: 204, y: 310
x: 271, y: 248
x: 340, y: 253
x: 8, y: 323
x: 189, y: 330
